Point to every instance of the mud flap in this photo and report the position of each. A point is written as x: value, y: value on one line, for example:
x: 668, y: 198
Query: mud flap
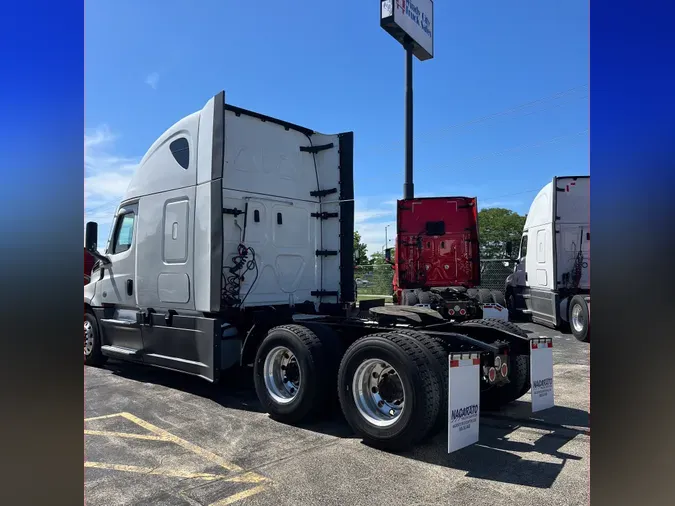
x: 463, y: 400
x: 541, y: 373
x: 495, y: 311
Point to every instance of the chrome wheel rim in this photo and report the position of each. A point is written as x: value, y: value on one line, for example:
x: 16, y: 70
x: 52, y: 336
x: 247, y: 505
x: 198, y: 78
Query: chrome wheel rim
x: 578, y: 318
x: 283, y: 377
x: 378, y: 393
x: 88, y: 338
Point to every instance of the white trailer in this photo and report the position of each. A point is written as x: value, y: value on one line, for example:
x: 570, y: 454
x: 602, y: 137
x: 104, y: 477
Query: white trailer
x: 233, y: 246
x: 551, y: 279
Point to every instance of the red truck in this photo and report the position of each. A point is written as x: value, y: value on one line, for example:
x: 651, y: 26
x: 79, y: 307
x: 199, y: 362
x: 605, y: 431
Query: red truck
x: 437, y: 258
x: 88, y: 266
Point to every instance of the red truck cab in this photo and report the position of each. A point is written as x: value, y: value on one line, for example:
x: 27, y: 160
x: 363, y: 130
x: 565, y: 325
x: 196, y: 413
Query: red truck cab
x: 437, y: 257
x: 88, y: 266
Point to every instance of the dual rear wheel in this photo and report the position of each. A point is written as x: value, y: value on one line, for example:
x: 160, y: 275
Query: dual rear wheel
x: 387, y: 392
x: 391, y: 386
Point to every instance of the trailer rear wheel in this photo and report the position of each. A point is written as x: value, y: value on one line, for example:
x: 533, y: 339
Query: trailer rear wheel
x: 439, y: 352
x: 291, y: 373
x: 334, y: 349
x: 579, y: 319
x: 388, y: 392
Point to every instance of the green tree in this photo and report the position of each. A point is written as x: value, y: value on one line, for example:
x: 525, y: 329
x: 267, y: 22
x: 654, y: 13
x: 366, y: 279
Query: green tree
x: 377, y: 258
x: 360, y: 250
x: 497, y: 226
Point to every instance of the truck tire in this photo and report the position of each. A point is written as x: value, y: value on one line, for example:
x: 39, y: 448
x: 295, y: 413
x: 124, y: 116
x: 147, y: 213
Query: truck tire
x: 579, y: 319
x: 424, y: 297
x: 92, y: 342
x: 508, y: 326
x: 511, y: 304
x: 291, y: 373
x: 484, y: 296
x: 400, y: 365
x: 498, y: 298
x: 519, y: 370
x: 409, y: 298
x: 439, y: 352
x: 332, y: 344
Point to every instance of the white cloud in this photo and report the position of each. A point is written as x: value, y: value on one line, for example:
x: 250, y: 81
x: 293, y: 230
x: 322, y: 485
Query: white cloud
x: 106, y: 178
x: 152, y: 80
x: 371, y: 216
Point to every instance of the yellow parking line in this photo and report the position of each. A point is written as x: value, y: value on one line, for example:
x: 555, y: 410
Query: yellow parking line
x: 159, y: 434
x: 152, y: 470
x: 102, y: 417
x: 247, y: 478
x: 237, y: 497
x: 167, y: 436
x: 123, y: 434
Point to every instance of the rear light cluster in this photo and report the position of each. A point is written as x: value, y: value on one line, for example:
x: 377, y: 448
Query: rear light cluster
x: 500, y: 367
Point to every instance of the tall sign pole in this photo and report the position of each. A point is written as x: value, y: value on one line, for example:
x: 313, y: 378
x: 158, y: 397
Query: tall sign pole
x: 408, y: 185
x: 410, y: 22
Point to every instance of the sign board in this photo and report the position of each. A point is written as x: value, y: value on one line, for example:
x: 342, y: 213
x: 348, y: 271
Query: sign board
x: 463, y: 400
x: 541, y: 373
x: 413, y: 19
x: 495, y: 311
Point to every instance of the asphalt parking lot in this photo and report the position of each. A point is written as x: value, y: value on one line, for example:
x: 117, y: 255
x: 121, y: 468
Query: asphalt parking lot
x: 155, y: 437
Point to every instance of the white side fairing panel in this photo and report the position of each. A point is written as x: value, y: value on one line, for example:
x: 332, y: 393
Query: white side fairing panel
x: 573, y: 228
x: 267, y: 174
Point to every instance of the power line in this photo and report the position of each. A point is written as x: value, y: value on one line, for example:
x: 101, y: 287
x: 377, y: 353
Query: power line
x: 488, y: 117
x: 517, y: 148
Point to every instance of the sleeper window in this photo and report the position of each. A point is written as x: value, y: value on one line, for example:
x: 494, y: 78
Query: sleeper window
x: 180, y: 149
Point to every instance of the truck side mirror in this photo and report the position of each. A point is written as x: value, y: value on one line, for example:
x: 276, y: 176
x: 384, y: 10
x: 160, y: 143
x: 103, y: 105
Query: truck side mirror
x: 91, y: 242
x: 357, y: 257
x: 91, y: 236
x: 509, y: 249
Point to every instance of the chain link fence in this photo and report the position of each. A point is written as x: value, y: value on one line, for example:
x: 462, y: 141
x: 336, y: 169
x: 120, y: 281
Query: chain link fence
x: 374, y: 280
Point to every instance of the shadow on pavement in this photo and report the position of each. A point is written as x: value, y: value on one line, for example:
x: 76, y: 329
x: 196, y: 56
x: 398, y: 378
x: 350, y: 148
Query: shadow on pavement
x: 489, y: 459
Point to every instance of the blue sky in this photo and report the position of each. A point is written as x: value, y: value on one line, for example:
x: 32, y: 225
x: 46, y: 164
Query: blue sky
x: 501, y: 108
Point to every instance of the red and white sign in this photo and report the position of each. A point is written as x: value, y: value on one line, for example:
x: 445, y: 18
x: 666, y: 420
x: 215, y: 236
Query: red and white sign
x: 541, y: 373
x: 463, y: 400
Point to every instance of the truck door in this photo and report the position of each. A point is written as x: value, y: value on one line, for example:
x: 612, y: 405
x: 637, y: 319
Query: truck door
x: 117, y: 287
x: 520, y: 277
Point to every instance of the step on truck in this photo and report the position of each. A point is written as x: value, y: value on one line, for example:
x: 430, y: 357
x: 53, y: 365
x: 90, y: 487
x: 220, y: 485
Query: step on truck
x: 436, y: 260
x: 551, y: 280
x: 233, y: 246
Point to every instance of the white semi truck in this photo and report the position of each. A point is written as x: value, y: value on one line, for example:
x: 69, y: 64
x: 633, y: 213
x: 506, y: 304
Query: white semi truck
x: 233, y: 246
x: 551, y: 280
